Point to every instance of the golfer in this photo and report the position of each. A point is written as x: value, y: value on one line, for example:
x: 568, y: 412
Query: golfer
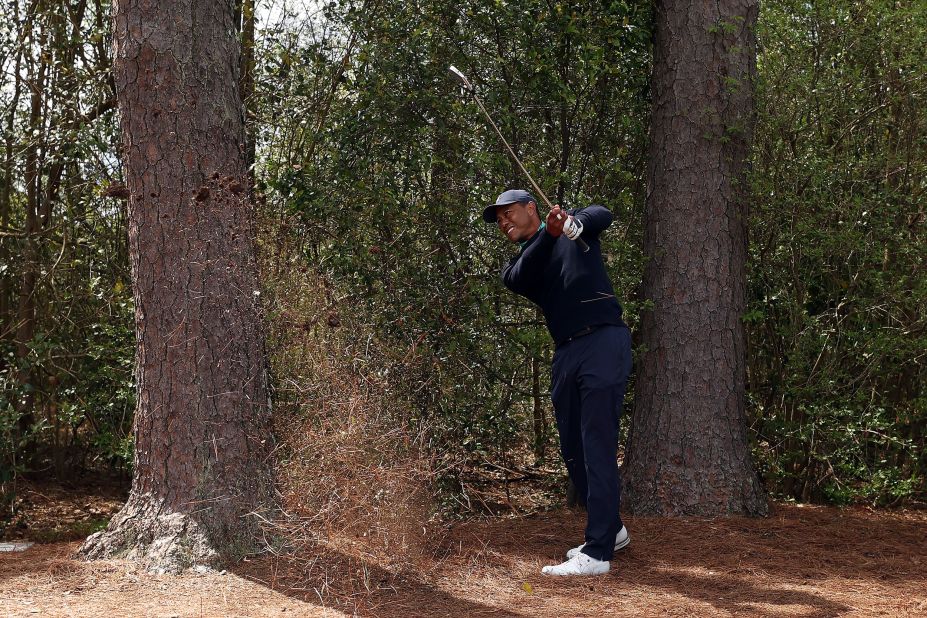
x: 591, y: 362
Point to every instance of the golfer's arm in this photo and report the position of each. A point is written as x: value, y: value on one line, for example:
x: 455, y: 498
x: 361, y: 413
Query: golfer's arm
x: 595, y: 219
x: 522, y: 275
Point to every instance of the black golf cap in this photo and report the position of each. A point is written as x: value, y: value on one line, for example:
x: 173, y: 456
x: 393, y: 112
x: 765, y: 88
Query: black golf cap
x: 505, y: 198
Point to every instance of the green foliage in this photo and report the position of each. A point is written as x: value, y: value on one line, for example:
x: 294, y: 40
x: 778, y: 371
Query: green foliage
x: 79, y: 392
x: 388, y: 187
x: 66, y: 309
x: 837, y: 311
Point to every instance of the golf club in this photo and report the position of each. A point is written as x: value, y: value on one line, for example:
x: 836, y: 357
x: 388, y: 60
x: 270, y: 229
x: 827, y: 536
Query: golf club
x: 469, y: 88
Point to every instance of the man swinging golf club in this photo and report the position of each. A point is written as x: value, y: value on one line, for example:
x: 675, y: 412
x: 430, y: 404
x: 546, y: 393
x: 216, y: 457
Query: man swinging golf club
x: 591, y: 361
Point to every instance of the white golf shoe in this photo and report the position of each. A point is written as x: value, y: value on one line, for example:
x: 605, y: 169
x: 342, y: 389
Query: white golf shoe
x: 580, y: 564
x: 622, y: 540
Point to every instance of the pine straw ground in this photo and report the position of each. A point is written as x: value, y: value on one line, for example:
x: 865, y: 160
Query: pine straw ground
x: 801, y: 561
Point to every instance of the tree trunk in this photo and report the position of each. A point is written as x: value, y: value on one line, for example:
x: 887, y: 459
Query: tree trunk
x: 31, y: 257
x: 688, y: 452
x: 202, y: 422
x: 7, y: 315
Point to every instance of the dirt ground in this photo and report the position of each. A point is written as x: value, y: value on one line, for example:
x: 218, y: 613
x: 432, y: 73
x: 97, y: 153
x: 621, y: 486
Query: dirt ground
x: 800, y: 561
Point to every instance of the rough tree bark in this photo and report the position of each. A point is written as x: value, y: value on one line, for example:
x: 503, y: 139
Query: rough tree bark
x: 688, y: 452
x: 202, y: 422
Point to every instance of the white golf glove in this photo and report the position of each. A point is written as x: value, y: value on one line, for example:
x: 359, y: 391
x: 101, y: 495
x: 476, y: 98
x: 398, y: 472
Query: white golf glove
x: 572, y: 228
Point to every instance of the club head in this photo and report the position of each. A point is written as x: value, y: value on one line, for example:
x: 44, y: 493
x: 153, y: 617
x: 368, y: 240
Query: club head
x: 460, y: 77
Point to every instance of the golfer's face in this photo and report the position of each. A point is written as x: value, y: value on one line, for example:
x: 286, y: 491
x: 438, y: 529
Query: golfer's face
x: 517, y: 221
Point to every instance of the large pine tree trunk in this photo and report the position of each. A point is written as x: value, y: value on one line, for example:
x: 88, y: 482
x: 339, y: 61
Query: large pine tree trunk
x: 688, y: 451
x: 202, y: 423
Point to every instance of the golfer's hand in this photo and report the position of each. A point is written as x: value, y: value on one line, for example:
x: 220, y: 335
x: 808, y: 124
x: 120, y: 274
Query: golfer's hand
x: 555, y: 220
x: 572, y: 228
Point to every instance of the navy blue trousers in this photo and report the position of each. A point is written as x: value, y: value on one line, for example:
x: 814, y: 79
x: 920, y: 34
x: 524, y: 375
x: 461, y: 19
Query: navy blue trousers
x: 589, y: 377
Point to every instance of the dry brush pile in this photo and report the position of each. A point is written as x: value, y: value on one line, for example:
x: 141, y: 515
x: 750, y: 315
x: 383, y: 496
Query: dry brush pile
x: 353, y: 471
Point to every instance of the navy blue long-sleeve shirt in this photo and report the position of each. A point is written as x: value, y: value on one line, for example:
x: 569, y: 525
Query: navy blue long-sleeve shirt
x: 571, y: 287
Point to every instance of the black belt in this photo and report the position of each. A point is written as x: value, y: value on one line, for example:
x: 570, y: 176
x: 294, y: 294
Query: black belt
x: 580, y: 333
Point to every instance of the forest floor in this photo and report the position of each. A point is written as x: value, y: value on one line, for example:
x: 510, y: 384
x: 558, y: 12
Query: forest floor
x: 800, y: 561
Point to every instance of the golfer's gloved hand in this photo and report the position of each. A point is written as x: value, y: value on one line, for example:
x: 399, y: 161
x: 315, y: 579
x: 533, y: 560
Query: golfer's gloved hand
x: 572, y: 227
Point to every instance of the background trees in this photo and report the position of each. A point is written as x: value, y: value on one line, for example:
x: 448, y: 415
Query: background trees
x: 65, y: 303
x: 386, y: 195
x: 374, y: 167
x: 400, y: 113
x: 836, y: 319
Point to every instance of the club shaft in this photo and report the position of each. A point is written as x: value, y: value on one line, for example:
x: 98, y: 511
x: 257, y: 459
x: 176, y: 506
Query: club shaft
x: 582, y: 244
x: 512, y: 152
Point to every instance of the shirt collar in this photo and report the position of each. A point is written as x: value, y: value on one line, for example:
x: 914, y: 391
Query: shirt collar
x: 524, y: 243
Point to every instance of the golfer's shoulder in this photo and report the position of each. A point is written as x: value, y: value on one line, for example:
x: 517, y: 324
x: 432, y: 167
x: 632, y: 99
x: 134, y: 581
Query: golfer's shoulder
x: 595, y: 216
x: 594, y: 209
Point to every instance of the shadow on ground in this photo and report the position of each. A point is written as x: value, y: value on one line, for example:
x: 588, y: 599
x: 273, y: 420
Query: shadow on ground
x: 809, y: 562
